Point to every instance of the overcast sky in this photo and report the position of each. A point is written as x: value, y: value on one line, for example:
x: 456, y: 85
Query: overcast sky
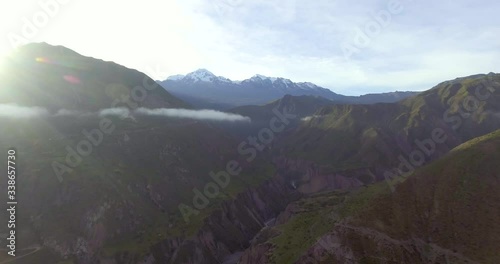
x: 412, y: 46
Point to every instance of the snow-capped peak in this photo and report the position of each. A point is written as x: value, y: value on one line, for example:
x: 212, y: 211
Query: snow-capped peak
x: 262, y: 77
x: 203, y: 75
x: 283, y: 82
x: 176, y: 77
x: 200, y: 75
x: 307, y: 85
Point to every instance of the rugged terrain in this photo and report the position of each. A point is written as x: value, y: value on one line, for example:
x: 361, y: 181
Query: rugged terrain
x: 443, y: 213
x: 99, y: 183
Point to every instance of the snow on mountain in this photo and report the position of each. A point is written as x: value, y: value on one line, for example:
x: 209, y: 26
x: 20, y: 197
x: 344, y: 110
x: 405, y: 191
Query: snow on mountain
x: 262, y: 77
x: 279, y: 82
x: 176, y: 77
x: 203, y: 89
x: 201, y: 75
x: 308, y: 85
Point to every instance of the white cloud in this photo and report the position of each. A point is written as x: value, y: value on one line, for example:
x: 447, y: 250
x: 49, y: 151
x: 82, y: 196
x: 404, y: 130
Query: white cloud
x: 194, y: 114
x: 66, y: 112
x: 16, y: 111
x: 118, y: 112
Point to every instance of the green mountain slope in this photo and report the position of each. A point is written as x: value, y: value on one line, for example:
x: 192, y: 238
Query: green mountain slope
x: 452, y: 203
x: 261, y: 115
x: 446, y: 212
x: 375, y: 137
x: 56, y: 78
x: 89, y: 194
x: 95, y: 188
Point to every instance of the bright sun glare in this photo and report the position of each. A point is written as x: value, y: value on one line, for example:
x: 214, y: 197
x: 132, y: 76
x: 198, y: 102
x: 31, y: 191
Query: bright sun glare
x: 3, y: 52
x: 3, y: 55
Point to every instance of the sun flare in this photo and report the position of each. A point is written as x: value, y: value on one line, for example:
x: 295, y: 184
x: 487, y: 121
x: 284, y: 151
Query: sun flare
x: 4, y: 50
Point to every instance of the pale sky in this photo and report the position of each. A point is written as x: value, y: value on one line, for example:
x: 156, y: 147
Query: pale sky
x: 425, y: 42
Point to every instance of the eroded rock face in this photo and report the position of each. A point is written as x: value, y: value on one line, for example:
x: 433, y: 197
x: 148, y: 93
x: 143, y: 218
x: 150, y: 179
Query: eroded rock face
x: 308, y: 177
x: 230, y: 228
x: 354, y: 244
x: 256, y: 254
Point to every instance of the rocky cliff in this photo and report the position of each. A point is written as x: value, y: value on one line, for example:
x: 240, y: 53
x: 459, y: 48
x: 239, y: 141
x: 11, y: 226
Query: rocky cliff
x: 230, y: 228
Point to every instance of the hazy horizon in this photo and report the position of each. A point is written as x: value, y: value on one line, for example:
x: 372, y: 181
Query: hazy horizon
x: 350, y: 48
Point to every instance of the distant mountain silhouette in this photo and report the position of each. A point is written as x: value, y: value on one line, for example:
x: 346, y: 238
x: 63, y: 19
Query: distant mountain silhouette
x: 203, y: 89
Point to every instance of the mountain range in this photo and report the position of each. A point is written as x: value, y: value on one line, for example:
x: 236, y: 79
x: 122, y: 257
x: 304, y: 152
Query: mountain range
x: 113, y: 168
x: 203, y: 89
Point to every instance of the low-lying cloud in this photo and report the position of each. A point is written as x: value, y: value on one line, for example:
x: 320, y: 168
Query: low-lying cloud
x: 17, y: 111
x: 309, y: 118
x: 119, y: 112
x: 66, y: 112
x: 194, y: 114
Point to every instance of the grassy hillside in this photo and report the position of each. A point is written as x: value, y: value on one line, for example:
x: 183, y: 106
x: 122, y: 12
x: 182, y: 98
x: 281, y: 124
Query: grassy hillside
x: 55, y: 77
x: 360, y: 136
x: 453, y: 202
x: 446, y: 212
x: 299, y: 106
x: 122, y: 198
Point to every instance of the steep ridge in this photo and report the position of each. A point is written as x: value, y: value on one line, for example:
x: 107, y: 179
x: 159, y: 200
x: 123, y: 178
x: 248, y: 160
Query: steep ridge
x: 299, y: 106
x: 120, y: 203
x: 55, y: 77
x: 97, y: 187
x: 450, y: 106
x: 229, y: 229
x: 124, y: 197
x: 382, y: 137
x: 447, y: 212
x: 302, y: 105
